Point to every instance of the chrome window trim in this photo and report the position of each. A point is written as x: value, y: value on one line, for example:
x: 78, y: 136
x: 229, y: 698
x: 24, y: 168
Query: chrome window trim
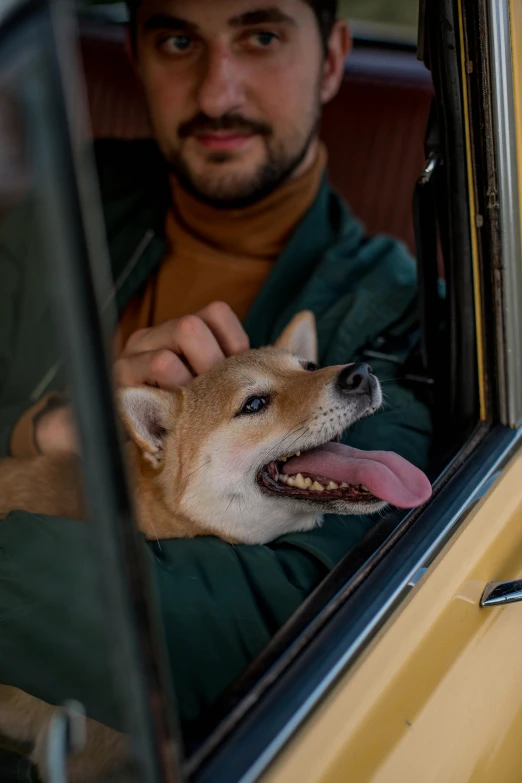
x: 504, y: 132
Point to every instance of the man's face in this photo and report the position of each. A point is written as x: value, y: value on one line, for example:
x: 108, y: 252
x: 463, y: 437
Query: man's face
x: 234, y: 90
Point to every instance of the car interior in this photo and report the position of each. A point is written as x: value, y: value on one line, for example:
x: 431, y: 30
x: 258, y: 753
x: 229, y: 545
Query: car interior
x: 377, y: 134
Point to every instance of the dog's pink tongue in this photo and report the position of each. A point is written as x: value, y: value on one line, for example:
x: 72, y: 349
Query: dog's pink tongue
x: 387, y: 475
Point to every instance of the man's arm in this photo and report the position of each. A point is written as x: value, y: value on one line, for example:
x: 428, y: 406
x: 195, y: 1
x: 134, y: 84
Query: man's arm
x: 220, y: 605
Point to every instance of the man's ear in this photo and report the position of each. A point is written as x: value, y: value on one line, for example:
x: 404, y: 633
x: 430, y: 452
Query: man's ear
x: 300, y: 337
x: 339, y: 47
x: 148, y: 416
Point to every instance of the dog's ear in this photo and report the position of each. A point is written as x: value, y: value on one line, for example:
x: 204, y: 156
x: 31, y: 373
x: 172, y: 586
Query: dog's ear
x: 300, y: 336
x: 148, y: 416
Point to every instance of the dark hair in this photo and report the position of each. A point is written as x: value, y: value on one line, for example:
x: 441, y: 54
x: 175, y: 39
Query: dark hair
x: 325, y: 11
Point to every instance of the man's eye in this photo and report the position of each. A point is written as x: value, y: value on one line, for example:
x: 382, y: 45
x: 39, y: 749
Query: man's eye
x: 177, y: 44
x: 254, y: 405
x: 263, y: 40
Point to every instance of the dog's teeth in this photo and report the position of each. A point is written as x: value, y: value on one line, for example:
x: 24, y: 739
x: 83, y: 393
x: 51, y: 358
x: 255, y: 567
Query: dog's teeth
x: 316, y: 487
x: 364, y: 488
x: 291, y: 481
x: 307, y: 482
x: 300, y: 482
x: 289, y: 456
x: 283, y: 478
x: 332, y: 485
x: 344, y: 485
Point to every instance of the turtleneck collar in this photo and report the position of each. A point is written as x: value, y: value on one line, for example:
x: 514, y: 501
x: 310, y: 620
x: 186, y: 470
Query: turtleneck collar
x: 259, y: 231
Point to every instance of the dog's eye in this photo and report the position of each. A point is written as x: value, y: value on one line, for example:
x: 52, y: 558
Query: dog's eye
x: 310, y: 366
x: 254, y: 405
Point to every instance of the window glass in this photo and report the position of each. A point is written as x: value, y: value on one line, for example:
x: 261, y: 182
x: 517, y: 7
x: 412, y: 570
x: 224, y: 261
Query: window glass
x: 47, y: 546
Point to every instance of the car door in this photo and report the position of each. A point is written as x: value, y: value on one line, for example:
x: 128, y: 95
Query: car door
x: 437, y: 694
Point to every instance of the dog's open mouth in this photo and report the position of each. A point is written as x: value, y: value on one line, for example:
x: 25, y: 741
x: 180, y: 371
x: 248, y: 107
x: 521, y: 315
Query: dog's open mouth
x: 337, y: 472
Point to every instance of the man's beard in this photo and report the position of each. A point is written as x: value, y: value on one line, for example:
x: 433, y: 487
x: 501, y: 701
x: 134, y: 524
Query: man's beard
x: 238, y: 191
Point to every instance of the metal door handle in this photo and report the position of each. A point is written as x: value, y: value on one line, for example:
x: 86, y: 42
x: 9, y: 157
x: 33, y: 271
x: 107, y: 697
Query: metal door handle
x: 496, y: 593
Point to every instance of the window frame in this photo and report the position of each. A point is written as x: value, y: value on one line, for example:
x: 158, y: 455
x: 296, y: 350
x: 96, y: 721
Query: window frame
x: 509, y: 206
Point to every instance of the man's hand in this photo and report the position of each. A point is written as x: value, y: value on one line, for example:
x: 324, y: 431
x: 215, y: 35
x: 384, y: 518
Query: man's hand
x: 167, y: 356
x: 173, y: 353
x: 55, y: 432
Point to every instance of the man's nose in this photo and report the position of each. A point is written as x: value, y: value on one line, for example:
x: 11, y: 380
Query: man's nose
x: 355, y: 379
x: 221, y: 89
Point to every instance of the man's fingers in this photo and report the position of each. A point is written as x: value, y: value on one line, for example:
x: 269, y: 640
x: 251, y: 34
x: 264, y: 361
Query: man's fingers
x: 171, y: 353
x: 179, y: 334
x: 135, y: 338
x: 189, y: 337
x: 55, y: 432
x: 157, y: 368
x: 197, y: 344
x: 226, y: 327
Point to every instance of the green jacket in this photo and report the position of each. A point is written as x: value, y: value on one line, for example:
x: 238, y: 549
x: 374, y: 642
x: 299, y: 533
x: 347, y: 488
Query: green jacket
x: 220, y: 603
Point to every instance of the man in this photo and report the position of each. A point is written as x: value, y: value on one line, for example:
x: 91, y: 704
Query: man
x: 218, y: 235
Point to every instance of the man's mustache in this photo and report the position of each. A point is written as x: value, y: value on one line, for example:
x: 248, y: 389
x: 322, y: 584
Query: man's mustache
x: 201, y: 124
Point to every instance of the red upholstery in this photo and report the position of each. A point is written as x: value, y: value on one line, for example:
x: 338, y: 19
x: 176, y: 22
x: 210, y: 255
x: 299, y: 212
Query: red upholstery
x: 374, y: 128
x: 115, y: 100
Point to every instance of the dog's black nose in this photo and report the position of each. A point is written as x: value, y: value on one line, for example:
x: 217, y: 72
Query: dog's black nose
x: 355, y: 379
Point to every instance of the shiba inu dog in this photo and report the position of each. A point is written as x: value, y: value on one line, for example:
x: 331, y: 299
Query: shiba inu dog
x: 247, y: 452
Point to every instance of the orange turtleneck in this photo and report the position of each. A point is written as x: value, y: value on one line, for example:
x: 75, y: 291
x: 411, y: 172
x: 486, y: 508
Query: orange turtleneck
x: 223, y: 255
